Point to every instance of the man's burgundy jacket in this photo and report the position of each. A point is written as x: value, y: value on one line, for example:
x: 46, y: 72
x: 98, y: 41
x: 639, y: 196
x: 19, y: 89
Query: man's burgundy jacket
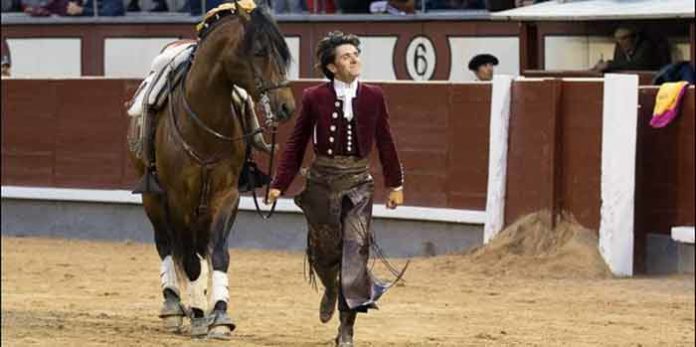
x: 321, y: 119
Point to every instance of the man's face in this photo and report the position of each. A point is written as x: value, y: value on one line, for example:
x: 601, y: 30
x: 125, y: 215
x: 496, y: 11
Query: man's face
x: 485, y: 72
x: 625, y: 40
x: 346, y: 66
x: 5, y: 70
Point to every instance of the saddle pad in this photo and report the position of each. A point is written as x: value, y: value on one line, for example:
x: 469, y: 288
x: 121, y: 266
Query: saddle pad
x: 154, y: 84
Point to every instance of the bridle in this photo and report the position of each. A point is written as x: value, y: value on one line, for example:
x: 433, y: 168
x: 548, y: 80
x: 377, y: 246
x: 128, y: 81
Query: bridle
x: 270, y: 123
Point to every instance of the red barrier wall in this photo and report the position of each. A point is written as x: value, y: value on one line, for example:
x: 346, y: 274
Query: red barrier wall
x: 664, y: 171
x: 71, y: 133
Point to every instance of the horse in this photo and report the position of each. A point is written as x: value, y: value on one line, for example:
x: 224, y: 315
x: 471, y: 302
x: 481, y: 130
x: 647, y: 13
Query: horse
x: 199, y: 155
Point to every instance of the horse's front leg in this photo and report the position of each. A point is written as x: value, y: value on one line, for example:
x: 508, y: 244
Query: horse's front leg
x: 172, y: 312
x: 221, y: 325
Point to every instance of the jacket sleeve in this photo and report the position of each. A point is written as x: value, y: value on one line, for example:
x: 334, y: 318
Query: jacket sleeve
x: 295, y: 147
x: 388, y: 156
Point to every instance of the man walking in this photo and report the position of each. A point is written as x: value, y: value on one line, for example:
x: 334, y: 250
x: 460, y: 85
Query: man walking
x: 344, y: 118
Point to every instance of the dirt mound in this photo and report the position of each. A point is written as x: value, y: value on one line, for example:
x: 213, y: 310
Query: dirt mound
x: 530, y: 247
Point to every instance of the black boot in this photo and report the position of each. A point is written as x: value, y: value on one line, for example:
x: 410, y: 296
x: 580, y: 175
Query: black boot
x: 345, y: 330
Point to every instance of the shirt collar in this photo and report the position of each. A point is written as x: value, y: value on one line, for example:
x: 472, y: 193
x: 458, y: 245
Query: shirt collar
x: 342, y: 88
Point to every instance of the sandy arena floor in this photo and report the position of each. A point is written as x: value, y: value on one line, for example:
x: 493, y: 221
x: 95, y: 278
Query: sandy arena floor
x: 78, y: 293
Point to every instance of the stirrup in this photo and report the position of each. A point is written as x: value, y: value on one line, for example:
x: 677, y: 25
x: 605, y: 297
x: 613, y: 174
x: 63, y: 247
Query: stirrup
x: 148, y: 185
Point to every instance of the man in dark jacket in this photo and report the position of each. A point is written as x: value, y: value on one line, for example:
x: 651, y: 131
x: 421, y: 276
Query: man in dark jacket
x: 344, y: 119
x: 633, y: 51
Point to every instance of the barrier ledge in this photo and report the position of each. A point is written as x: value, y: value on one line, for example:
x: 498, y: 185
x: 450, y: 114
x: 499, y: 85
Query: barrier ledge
x: 429, y: 214
x: 684, y: 234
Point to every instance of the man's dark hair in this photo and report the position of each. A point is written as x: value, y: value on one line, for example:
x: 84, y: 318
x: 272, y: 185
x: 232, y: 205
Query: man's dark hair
x: 326, y: 49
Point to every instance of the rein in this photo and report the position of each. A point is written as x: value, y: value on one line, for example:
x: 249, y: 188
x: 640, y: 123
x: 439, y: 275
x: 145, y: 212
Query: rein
x: 206, y: 163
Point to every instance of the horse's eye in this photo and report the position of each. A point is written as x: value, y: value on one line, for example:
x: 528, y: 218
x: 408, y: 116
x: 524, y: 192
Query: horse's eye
x: 261, y: 53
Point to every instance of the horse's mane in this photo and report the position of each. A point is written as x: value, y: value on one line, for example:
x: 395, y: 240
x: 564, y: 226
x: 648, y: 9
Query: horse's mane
x: 263, y: 29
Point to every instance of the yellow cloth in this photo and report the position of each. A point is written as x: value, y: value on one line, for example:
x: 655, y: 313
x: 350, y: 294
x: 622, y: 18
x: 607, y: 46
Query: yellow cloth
x: 667, y: 97
x: 245, y: 5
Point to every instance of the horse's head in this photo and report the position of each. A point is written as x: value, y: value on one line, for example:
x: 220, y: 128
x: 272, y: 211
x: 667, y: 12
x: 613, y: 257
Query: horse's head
x: 261, y: 63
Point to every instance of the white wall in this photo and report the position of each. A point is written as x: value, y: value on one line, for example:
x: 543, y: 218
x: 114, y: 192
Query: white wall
x: 462, y: 49
x: 377, y: 53
x: 576, y: 52
x: 46, y: 58
x: 294, y: 46
x: 131, y: 57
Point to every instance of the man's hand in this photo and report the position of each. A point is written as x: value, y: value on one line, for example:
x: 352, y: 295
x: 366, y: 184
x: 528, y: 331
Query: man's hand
x: 273, y: 195
x: 396, y: 198
x: 600, y: 66
x: 74, y: 9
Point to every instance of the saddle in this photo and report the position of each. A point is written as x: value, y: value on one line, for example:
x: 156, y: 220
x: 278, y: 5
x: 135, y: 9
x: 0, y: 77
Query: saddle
x: 153, y: 92
x: 168, y: 70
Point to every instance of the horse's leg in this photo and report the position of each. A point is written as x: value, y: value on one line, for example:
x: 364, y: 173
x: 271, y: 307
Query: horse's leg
x: 221, y: 325
x: 172, y: 312
x: 196, y: 268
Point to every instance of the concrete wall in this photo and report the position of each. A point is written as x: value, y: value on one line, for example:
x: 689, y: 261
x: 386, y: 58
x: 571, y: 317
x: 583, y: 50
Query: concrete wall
x: 285, y: 231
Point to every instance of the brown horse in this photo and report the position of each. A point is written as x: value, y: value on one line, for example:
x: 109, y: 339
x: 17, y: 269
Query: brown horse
x: 199, y: 155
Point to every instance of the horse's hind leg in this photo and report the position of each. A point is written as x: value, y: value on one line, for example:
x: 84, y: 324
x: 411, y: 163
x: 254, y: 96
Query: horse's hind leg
x: 172, y: 312
x: 221, y: 324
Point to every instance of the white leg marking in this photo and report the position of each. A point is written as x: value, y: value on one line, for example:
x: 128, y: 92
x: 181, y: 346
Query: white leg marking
x: 196, y: 288
x: 168, y: 275
x: 220, y: 287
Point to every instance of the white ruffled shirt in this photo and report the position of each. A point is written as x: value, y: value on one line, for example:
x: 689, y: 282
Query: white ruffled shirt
x: 346, y: 92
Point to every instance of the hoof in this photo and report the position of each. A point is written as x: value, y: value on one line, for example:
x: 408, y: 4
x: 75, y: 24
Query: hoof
x: 173, y: 324
x: 199, y: 327
x: 221, y: 326
x: 220, y: 332
x: 172, y: 315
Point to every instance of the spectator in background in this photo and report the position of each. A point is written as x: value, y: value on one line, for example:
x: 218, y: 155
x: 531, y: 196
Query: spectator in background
x: 11, y: 6
x: 73, y: 8
x: 353, y: 6
x: 483, y: 66
x: 36, y: 8
x: 288, y: 6
x: 456, y: 4
x: 633, y: 51
x: 6, y: 59
x: 108, y: 8
x: 194, y: 6
x: 321, y: 6
x: 160, y: 6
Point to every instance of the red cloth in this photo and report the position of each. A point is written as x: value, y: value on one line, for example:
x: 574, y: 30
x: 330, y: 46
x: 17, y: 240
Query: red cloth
x: 314, y: 6
x: 320, y: 111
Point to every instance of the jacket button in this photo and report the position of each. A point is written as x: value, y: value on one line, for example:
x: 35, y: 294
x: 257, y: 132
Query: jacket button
x: 338, y: 104
x: 333, y: 128
x: 330, y: 152
x: 334, y: 115
x: 331, y: 139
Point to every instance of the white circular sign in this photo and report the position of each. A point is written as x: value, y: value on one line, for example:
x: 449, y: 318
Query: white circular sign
x: 420, y: 59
